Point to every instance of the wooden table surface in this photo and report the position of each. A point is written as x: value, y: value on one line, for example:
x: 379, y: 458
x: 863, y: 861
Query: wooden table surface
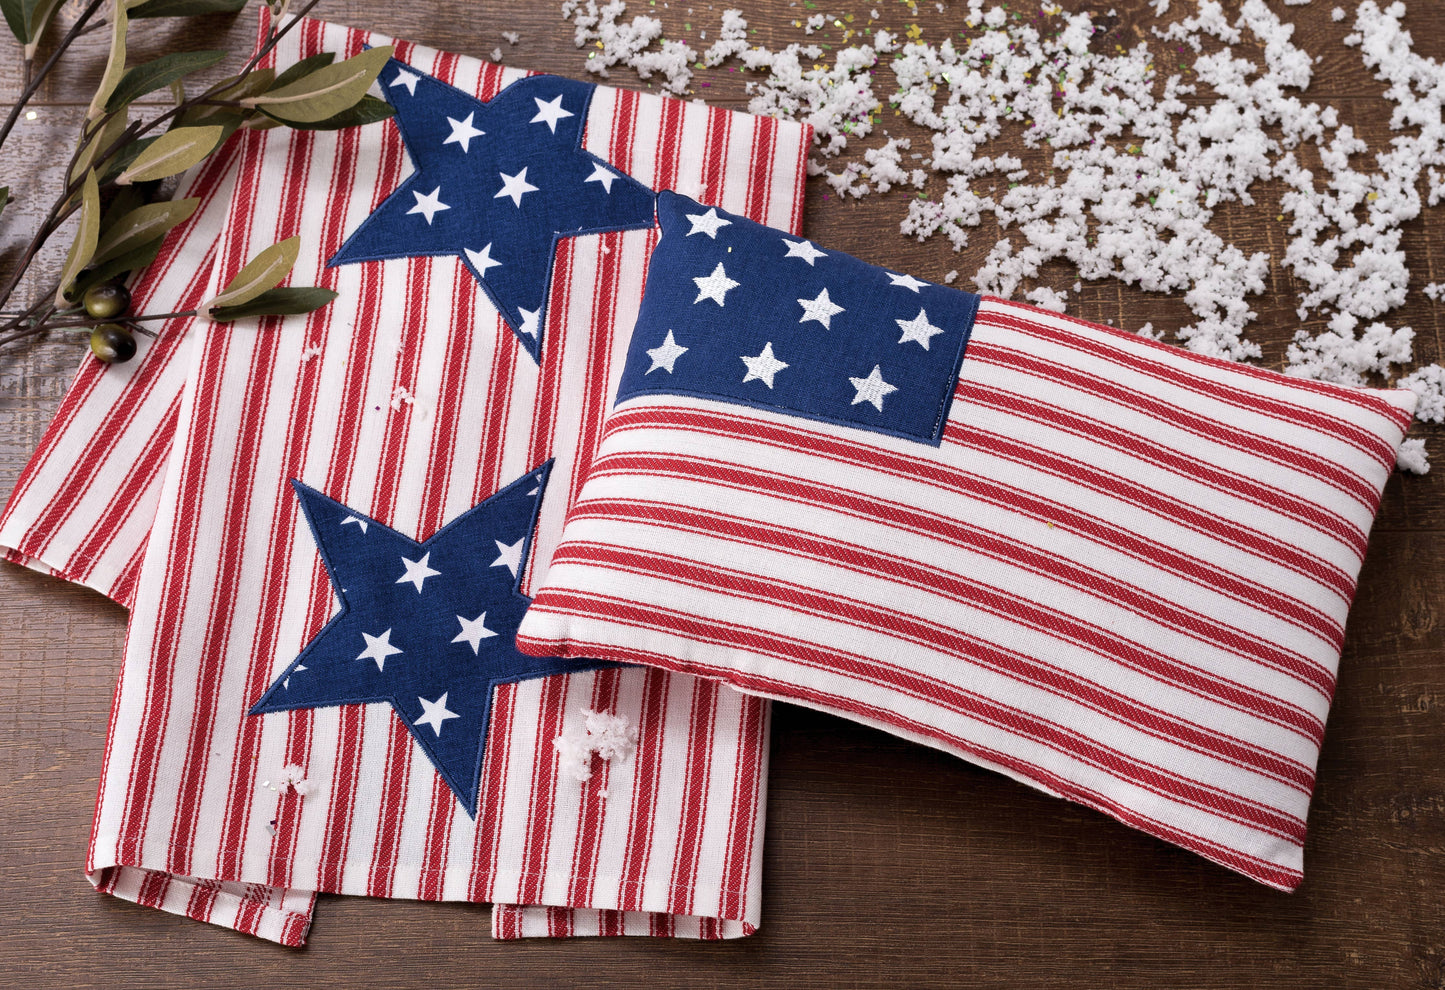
x: 886, y: 863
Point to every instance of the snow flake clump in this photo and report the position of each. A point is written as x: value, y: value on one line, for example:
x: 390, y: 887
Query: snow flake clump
x: 609, y: 737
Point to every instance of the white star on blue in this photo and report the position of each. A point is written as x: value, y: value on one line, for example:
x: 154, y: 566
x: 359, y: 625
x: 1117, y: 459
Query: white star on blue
x: 501, y: 181
x: 398, y: 640
x: 804, y: 332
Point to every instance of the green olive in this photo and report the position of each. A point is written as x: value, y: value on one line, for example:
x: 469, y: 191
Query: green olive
x: 106, y: 301
x: 112, y: 343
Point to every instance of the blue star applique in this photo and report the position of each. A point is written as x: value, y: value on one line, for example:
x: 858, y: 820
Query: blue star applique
x: 429, y: 627
x: 497, y: 184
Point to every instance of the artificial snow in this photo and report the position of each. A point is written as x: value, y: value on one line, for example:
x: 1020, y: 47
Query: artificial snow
x: 609, y: 737
x: 1133, y: 159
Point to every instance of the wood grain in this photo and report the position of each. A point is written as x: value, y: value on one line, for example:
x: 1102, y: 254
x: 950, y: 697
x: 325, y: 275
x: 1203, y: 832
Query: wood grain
x: 887, y: 864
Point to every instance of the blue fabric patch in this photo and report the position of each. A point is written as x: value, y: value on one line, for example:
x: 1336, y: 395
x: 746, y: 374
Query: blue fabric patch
x: 747, y: 314
x: 430, y: 627
x: 497, y: 184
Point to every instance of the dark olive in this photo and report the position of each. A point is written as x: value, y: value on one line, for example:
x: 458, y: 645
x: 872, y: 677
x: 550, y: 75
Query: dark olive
x: 112, y: 343
x: 106, y: 301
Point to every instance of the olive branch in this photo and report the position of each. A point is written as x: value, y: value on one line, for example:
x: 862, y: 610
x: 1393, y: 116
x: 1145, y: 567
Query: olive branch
x: 116, y: 173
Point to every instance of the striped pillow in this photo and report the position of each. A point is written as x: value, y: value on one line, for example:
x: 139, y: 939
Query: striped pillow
x: 1118, y: 571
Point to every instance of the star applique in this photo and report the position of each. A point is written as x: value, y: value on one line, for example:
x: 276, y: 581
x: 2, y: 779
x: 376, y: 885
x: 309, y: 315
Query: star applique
x: 872, y: 389
x: 763, y: 366
x: 805, y: 250
x: 435, y: 641
x: 821, y: 309
x: 497, y: 184
x: 905, y: 281
x: 918, y: 329
x: 714, y: 286
x: 665, y: 355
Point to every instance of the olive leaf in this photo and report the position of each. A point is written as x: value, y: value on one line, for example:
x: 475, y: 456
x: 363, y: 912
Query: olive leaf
x: 287, y: 301
x: 173, y: 152
x: 4, y: 198
x: 130, y: 261
x: 159, y: 73
x: 262, y: 272
x: 28, y: 19
x: 301, y: 68
x: 103, y: 135
x: 247, y: 84
x: 83, y: 248
x: 185, y: 8
x: 141, y: 226
x: 114, y: 64
x: 368, y: 111
x: 326, y: 92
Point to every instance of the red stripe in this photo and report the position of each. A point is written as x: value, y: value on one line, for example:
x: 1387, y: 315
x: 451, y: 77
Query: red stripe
x: 942, y: 529
x: 715, y: 152
x: 1135, y: 772
x: 797, y: 440
x: 1249, y: 400
x: 651, y: 721
x: 1026, y: 670
x: 693, y: 811
x: 1213, y: 475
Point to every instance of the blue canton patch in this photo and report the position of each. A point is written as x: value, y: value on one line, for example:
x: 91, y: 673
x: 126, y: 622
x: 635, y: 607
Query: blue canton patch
x: 497, y: 184
x: 429, y: 627
x: 747, y: 314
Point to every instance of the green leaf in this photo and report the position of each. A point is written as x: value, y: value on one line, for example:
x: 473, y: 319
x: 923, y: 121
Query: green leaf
x: 173, y: 152
x: 277, y: 302
x: 304, y: 66
x: 28, y: 19
x: 159, y: 73
x: 83, y: 249
x: 128, y: 153
x: 108, y: 133
x: 114, y: 64
x: 128, y: 262
x: 141, y: 226
x: 262, y: 272
x: 248, y: 84
x: 186, y: 8
x: 4, y: 198
x: 368, y: 111
x: 326, y: 92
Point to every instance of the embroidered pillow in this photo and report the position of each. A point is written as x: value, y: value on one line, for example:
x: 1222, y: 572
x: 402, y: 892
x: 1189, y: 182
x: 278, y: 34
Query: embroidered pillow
x: 1109, y: 568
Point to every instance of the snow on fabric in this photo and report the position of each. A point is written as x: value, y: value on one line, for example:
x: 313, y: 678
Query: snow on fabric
x: 410, y: 400
x: 1122, y: 577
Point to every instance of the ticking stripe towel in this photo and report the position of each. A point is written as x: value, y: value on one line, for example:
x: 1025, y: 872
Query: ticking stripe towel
x: 1107, y: 567
x: 265, y: 496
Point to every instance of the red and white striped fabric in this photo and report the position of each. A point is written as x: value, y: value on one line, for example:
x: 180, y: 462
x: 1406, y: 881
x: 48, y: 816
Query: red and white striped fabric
x: 1122, y: 578
x: 193, y: 814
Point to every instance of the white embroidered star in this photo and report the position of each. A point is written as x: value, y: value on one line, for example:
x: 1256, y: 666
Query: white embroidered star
x: 906, y: 281
x: 482, y: 260
x: 918, y: 329
x: 463, y: 132
x: 665, y: 354
x: 550, y: 112
x: 872, y: 389
x: 378, y: 648
x: 473, y: 632
x: 764, y: 366
x: 417, y: 571
x: 707, y: 223
x: 286, y: 683
x: 510, y: 556
x: 714, y: 286
x: 804, y: 250
x: 529, y: 321
x: 434, y: 713
x: 516, y: 186
x: 355, y: 519
x: 407, y: 79
x: 429, y: 205
x: 821, y: 309
x: 603, y: 175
